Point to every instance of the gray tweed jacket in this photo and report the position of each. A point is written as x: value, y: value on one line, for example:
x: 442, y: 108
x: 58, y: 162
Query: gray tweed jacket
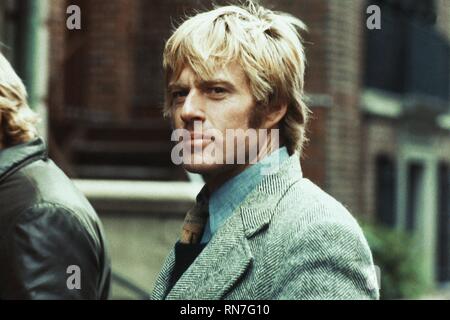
x: 287, y: 240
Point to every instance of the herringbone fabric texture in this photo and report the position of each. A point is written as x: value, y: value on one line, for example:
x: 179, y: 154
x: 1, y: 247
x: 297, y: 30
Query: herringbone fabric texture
x: 287, y: 240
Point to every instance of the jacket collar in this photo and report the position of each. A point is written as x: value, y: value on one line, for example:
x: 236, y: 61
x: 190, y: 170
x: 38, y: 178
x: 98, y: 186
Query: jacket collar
x: 16, y: 157
x: 228, y: 255
x: 232, y: 193
x: 258, y: 208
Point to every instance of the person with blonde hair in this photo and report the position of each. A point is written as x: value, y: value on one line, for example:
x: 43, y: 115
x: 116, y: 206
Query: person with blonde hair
x: 16, y: 118
x: 259, y: 229
x: 51, y: 240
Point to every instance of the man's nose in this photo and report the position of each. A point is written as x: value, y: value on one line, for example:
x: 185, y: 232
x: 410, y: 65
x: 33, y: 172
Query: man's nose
x: 192, y: 107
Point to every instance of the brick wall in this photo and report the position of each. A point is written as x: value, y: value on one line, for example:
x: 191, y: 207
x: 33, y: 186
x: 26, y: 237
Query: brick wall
x: 110, y: 32
x: 314, y: 14
x: 334, y: 58
x: 443, y: 17
x: 345, y: 26
x: 334, y: 49
x: 57, y: 31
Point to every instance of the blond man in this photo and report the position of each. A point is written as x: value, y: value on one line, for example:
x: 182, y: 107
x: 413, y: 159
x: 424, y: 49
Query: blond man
x: 51, y: 240
x: 254, y: 233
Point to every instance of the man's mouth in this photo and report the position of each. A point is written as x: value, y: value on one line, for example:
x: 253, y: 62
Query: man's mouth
x: 198, y: 136
x: 199, y: 140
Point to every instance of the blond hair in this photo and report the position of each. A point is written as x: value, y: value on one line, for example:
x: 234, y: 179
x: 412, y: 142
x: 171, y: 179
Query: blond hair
x: 266, y: 44
x: 16, y: 118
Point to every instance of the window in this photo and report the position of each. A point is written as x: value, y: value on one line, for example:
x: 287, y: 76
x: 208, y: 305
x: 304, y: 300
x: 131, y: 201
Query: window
x: 415, y: 179
x: 408, y: 55
x: 385, y: 191
x: 443, y: 226
x: 419, y: 10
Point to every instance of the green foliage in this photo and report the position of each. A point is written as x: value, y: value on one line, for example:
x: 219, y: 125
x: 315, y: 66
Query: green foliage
x: 396, y: 253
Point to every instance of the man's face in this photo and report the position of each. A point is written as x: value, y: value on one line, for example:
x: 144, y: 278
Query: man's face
x: 224, y: 102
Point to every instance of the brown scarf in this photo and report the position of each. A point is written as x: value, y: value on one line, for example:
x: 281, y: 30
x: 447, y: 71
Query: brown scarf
x: 196, y: 218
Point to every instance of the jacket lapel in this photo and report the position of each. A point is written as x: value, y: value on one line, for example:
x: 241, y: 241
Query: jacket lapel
x: 162, y: 281
x: 259, y: 207
x: 218, y: 267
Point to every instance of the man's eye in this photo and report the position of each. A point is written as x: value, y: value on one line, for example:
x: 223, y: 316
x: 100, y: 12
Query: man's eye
x: 178, y: 94
x: 216, y: 90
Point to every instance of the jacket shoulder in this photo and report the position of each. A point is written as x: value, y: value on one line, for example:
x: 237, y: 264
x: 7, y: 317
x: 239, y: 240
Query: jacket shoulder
x: 326, y: 253
x: 52, y: 185
x: 42, y: 182
x: 307, y: 212
x: 305, y: 203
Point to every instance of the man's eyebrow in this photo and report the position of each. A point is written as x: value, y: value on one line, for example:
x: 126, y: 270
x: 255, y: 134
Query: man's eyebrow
x: 223, y: 82
x: 176, y: 85
x: 201, y: 83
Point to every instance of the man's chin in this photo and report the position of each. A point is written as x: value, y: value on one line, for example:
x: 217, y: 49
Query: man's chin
x: 202, y: 168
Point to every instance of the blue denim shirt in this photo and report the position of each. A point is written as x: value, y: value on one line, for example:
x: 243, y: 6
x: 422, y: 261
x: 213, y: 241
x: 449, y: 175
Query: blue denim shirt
x: 230, y: 195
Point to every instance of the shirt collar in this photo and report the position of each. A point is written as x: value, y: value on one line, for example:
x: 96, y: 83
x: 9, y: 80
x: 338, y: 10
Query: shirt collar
x: 230, y: 195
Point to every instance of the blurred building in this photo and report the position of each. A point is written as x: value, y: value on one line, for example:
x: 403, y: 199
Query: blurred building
x: 24, y: 40
x: 380, y: 101
x: 405, y: 137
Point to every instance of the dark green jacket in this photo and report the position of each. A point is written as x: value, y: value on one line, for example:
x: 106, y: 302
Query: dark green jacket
x: 50, y: 236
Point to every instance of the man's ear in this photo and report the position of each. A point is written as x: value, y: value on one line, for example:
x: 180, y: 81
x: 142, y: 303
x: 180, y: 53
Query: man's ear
x: 274, y: 116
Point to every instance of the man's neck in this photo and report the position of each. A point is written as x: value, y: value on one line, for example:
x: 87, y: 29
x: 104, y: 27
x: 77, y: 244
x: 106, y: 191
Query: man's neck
x: 215, y: 181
